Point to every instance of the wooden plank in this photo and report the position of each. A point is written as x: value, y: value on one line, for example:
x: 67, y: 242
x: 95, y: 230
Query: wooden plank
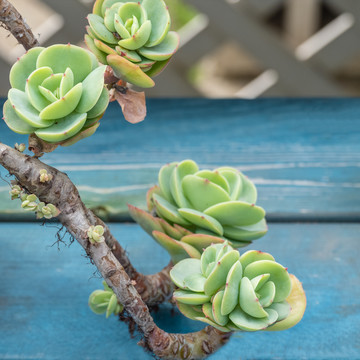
x: 304, y: 155
x: 44, y: 292
x: 265, y: 45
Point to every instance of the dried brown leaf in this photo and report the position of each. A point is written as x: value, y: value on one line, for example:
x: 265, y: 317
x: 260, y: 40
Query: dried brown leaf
x: 133, y: 104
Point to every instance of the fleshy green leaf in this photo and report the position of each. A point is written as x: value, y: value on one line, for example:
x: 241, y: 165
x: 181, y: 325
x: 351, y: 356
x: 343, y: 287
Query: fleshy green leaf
x: 246, y: 322
x: 164, y: 180
x: 218, y: 276
x: 267, y: 294
x: 25, y: 65
x: 200, y: 219
x: 232, y: 285
x: 215, y: 177
x: 130, y: 55
x: 183, y: 270
x: 297, y: 302
x: 190, y: 298
x: 246, y: 233
x: 248, y: 192
x: 64, y: 106
x: 216, y: 308
x: 104, y: 48
x: 98, y: 27
x: 202, y: 193
x: 63, y: 128
x: 168, y: 211
x: 60, y: 57
x: 92, y: 88
x: 213, y: 324
x: 101, y: 104
x: 26, y: 111
x: 254, y: 255
x: 186, y: 167
x: 83, y: 134
x: 14, y: 122
x: 145, y: 220
x: 248, y: 300
x: 67, y: 82
x: 278, y: 275
x: 92, y: 47
x: 190, y: 311
x: 176, y: 249
x: 35, y: 79
x: 201, y: 241
x: 164, y: 50
x: 236, y: 213
x: 157, y: 68
x: 139, y: 39
x: 159, y: 16
x: 129, y: 72
x: 234, y: 180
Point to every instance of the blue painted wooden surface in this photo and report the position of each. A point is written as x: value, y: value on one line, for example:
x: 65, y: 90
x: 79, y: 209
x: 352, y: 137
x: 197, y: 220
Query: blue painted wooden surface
x: 304, y: 155
x: 43, y: 296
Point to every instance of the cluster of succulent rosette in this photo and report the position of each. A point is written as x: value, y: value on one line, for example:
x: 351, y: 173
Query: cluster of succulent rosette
x: 105, y: 302
x: 30, y: 202
x: 233, y: 292
x: 58, y: 94
x: 192, y: 209
x: 199, y: 216
x: 132, y: 37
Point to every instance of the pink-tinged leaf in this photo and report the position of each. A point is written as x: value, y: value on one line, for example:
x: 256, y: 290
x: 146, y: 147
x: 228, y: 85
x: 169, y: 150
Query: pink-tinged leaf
x: 129, y: 71
x: 81, y: 135
x: 170, y: 230
x: 202, y: 241
x: 297, y: 302
x: 148, y: 222
x: 133, y: 105
x: 177, y: 250
x: 149, y: 201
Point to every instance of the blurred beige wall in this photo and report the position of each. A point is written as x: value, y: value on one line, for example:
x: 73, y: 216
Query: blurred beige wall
x: 229, y: 48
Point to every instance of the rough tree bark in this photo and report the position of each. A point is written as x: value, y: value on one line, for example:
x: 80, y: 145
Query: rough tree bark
x: 15, y: 24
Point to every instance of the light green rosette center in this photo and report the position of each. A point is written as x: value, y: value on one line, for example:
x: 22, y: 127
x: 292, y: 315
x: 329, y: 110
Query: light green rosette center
x: 132, y: 37
x: 57, y: 93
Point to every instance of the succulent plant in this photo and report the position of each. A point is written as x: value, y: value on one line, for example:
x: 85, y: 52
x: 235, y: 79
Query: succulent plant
x: 105, y: 301
x: 196, y: 208
x: 15, y: 192
x: 47, y: 211
x: 233, y: 292
x: 57, y: 93
x: 132, y: 37
x: 44, y: 176
x: 20, y: 147
x: 95, y: 234
x: 29, y: 202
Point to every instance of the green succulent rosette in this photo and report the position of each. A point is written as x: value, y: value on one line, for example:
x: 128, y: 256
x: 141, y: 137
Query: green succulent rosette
x: 231, y: 292
x: 57, y: 93
x: 105, y: 302
x: 132, y: 37
x: 192, y: 209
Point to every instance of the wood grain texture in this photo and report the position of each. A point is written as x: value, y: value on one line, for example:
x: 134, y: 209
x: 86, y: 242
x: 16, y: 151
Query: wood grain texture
x: 304, y: 155
x: 44, y: 292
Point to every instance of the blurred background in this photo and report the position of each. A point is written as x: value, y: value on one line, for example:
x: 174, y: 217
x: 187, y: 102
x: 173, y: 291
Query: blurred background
x: 229, y: 48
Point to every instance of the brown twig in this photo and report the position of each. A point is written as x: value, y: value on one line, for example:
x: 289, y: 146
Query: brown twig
x: 14, y: 23
x: 61, y: 192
